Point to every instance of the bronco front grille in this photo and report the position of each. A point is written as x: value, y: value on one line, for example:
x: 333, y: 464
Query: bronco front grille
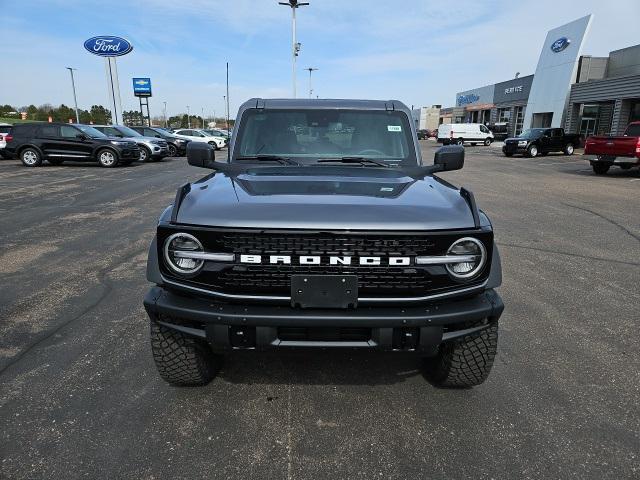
x: 323, y: 244
x: 373, y: 281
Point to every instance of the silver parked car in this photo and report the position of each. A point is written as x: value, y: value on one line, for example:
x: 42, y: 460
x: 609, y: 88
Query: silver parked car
x: 151, y: 148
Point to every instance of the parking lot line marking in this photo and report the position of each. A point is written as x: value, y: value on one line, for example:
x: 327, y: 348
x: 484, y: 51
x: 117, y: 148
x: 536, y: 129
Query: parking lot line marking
x: 560, y: 163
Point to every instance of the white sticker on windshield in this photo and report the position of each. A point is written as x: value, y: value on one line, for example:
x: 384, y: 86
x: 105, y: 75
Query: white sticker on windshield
x: 394, y: 128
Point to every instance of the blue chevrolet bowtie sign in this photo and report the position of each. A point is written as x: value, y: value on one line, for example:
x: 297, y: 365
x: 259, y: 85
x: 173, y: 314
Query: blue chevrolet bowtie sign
x: 142, y: 87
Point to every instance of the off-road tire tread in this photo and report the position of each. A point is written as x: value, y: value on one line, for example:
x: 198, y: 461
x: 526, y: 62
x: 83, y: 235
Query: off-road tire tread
x: 180, y: 359
x: 466, y: 362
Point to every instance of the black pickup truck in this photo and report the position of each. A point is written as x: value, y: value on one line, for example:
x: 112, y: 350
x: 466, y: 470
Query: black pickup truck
x: 540, y: 141
x: 322, y: 228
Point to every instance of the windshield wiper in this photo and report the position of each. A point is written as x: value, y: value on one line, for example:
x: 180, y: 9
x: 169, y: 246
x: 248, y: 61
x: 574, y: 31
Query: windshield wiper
x: 269, y: 158
x: 360, y: 160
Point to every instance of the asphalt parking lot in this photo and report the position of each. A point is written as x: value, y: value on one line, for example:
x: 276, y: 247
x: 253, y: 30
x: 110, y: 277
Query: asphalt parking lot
x: 80, y: 397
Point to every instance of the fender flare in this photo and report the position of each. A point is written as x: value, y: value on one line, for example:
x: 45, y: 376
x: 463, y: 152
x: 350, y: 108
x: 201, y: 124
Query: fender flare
x: 105, y: 147
x: 495, y: 274
x: 153, y: 267
x: 29, y: 145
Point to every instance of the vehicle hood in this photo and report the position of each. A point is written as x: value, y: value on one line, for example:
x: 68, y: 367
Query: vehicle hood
x: 144, y: 139
x: 516, y: 139
x: 363, y: 199
x: 117, y: 139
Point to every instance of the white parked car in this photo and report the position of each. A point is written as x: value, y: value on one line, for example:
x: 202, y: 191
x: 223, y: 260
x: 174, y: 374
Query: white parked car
x: 197, y: 135
x: 5, y: 129
x: 459, y: 133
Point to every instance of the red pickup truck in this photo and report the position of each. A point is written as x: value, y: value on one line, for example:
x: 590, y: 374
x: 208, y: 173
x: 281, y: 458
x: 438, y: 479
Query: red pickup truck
x: 623, y: 152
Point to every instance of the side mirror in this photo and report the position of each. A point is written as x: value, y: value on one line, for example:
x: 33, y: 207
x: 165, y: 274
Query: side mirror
x: 450, y: 157
x: 200, y: 154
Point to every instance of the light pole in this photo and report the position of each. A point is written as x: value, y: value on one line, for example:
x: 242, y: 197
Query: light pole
x: 226, y: 110
x: 294, y: 4
x: 188, y: 119
x: 73, y: 85
x: 311, y: 69
x: 166, y: 124
x: 203, y: 117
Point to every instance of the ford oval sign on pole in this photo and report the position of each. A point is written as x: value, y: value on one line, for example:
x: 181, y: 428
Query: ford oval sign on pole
x: 110, y: 47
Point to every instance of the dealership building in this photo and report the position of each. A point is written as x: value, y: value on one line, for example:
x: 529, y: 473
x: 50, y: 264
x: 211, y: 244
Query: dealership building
x: 584, y: 94
x: 426, y: 118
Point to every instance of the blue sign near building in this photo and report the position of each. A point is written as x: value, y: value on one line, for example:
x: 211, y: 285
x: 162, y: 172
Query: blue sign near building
x: 560, y: 44
x: 142, y: 87
x: 108, y: 46
x: 467, y: 99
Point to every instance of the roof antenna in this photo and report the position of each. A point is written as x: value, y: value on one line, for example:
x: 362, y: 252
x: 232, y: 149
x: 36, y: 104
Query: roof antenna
x: 517, y: 74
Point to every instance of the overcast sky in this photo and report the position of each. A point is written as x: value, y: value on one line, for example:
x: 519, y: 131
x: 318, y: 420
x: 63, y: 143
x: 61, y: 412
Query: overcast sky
x: 421, y: 52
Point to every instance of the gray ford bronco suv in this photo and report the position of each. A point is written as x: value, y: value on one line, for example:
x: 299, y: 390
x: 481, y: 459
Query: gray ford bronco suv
x: 322, y: 228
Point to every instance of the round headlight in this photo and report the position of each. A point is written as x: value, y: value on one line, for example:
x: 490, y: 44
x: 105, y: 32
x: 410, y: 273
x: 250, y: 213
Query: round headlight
x: 178, y: 250
x: 476, y: 256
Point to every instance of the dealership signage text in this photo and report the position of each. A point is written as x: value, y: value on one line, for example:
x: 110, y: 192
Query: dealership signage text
x: 467, y: 99
x: 108, y: 46
x: 509, y: 90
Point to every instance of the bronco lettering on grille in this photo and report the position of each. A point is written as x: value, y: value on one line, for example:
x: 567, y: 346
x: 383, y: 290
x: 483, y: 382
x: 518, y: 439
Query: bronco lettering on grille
x: 317, y: 260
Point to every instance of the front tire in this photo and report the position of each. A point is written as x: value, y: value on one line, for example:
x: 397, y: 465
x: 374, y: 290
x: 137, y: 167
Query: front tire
x: 466, y: 362
x: 145, y: 154
x: 180, y: 359
x: 31, y: 157
x: 460, y: 141
x: 173, y: 150
x: 107, y: 158
x: 487, y: 142
x: 532, y: 151
x: 214, y: 145
x: 568, y: 149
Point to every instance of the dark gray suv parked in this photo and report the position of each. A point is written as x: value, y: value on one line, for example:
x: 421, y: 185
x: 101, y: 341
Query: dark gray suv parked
x: 177, y: 146
x: 324, y: 230
x: 151, y: 149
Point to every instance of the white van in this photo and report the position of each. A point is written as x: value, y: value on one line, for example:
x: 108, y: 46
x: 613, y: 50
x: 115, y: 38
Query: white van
x: 459, y: 133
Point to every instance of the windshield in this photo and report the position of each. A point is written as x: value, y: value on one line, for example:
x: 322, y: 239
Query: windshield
x: 309, y: 135
x: 532, y: 133
x: 127, y: 132
x: 90, y: 131
x: 213, y: 133
x: 633, y: 130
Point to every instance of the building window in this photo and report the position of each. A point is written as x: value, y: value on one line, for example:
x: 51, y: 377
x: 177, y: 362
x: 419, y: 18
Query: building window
x: 589, y: 120
x: 504, y: 115
x: 519, y: 120
x: 634, y: 114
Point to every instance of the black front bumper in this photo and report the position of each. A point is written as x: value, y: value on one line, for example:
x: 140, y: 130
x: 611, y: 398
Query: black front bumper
x: 231, y: 326
x: 513, y: 149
